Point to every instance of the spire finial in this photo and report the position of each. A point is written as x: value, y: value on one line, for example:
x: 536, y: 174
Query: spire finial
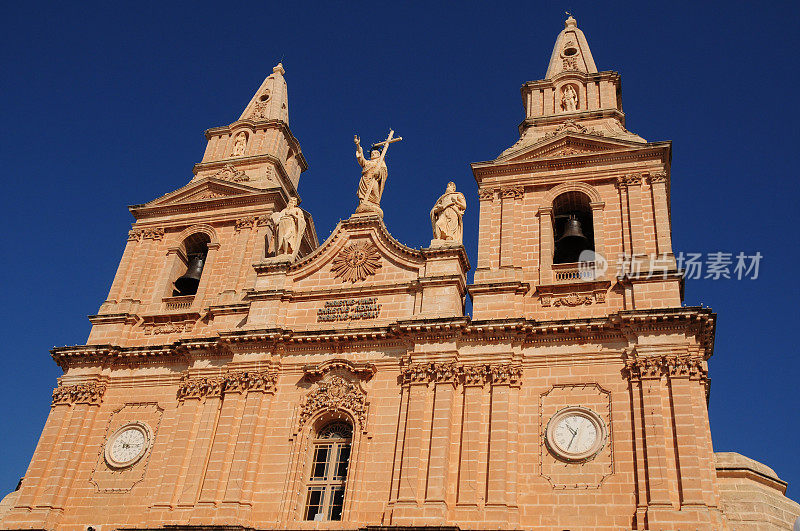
x: 570, y: 22
x: 279, y: 69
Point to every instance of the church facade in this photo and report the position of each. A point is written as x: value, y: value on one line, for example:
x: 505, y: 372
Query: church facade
x: 243, y: 375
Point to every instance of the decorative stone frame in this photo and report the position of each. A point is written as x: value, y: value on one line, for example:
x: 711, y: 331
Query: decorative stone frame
x: 176, y: 261
x: 307, y: 425
x: 248, y: 136
x: 546, y: 226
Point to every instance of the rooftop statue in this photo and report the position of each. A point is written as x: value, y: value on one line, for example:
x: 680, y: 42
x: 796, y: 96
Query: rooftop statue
x: 373, y: 175
x: 289, y: 226
x: 447, y: 217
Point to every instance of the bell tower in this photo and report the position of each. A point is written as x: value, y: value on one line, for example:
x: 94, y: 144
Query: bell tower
x: 187, y: 266
x: 575, y: 216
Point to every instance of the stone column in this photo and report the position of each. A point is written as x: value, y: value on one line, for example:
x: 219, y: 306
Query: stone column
x: 247, y: 455
x: 646, y: 375
x: 600, y: 234
x: 636, y: 214
x: 122, y: 270
x: 488, y: 236
x: 509, y: 221
x: 200, y: 446
x: 206, y: 278
x: 438, y: 459
x: 40, y: 470
x: 413, y: 440
x: 502, y: 458
x: 658, y: 187
x: 470, y: 490
x: 546, y: 245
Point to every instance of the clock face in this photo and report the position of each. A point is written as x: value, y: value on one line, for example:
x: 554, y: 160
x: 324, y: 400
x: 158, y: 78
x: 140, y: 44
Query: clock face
x: 575, y: 434
x: 127, y: 445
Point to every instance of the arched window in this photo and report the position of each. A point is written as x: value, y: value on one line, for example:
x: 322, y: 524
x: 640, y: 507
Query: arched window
x: 330, y: 459
x: 573, y: 227
x: 195, y: 249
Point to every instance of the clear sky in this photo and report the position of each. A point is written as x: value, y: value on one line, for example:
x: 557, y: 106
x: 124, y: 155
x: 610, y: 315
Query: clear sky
x: 104, y: 105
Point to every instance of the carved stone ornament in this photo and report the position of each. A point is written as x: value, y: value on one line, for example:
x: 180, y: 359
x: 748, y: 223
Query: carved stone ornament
x: 573, y: 127
x: 573, y: 299
x: 86, y: 393
x: 634, y: 179
x: 156, y: 233
x: 335, y: 394
x: 356, y: 262
x: 487, y: 194
x: 229, y: 173
x: 260, y: 108
x: 653, y: 367
x: 153, y: 329
x: 472, y: 374
x: 231, y: 382
x: 658, y: 177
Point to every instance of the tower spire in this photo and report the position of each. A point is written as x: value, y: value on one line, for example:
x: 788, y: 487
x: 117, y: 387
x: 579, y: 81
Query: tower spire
x: 571, y: 52
x: 271, y: 100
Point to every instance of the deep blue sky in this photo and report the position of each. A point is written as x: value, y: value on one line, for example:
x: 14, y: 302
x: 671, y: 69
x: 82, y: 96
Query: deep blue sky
x: 105, y: 104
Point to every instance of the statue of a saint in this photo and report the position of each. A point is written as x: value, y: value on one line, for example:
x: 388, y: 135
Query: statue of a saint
x: 447, y: 217
x: 289, y: 225
x: 569, y: 99
x: 373, y: 178
x: 373, y: 174
x: 239, y: 144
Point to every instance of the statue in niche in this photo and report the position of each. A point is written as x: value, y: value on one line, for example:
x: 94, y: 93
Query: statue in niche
x: 447, y: 217
x: 569, y: 99
x: 240, y: 144
x: 373, y: 175
x: 289, y: 225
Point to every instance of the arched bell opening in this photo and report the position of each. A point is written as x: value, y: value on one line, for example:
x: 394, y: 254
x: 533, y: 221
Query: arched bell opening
x: 330, y: 447
x: 573, y: 227
x: 195, y: 253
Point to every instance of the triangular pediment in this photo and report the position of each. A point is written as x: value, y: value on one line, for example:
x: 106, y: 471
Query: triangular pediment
x: 567, y: 144
x: 202, y: 190
x: 360, y: 251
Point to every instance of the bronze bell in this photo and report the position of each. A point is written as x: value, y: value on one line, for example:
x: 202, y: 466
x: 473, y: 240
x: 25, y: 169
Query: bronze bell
x: 573, y: 229
x: 572, y: 242
x: 187, y: 284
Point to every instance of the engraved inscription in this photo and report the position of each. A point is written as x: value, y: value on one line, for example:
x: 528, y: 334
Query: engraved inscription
x: 349, y: 310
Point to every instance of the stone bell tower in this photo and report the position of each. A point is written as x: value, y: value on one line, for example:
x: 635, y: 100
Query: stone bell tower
x: 250, y: 170
x: 575, y: 165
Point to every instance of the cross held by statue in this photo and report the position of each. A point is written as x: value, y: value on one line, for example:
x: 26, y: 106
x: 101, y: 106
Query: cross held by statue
x: 389, y: 140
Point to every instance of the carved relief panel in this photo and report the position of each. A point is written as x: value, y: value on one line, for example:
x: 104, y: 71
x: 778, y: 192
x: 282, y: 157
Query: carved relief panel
x: 124, y: 452
x: 555, y: 404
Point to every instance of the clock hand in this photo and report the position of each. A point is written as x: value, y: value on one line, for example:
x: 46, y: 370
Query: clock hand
x: 574, y: 433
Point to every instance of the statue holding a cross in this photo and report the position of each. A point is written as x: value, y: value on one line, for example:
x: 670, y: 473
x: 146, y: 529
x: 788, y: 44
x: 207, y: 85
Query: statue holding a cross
x: 373, y: 175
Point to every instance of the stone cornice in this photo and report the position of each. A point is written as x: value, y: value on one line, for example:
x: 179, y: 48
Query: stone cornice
x: 497, y: 170
x: 587, y: 76
x: 699, y: 321
x: 263, y: 196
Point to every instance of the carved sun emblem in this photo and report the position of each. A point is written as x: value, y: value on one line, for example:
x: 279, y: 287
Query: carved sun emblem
x: 356, y: 262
